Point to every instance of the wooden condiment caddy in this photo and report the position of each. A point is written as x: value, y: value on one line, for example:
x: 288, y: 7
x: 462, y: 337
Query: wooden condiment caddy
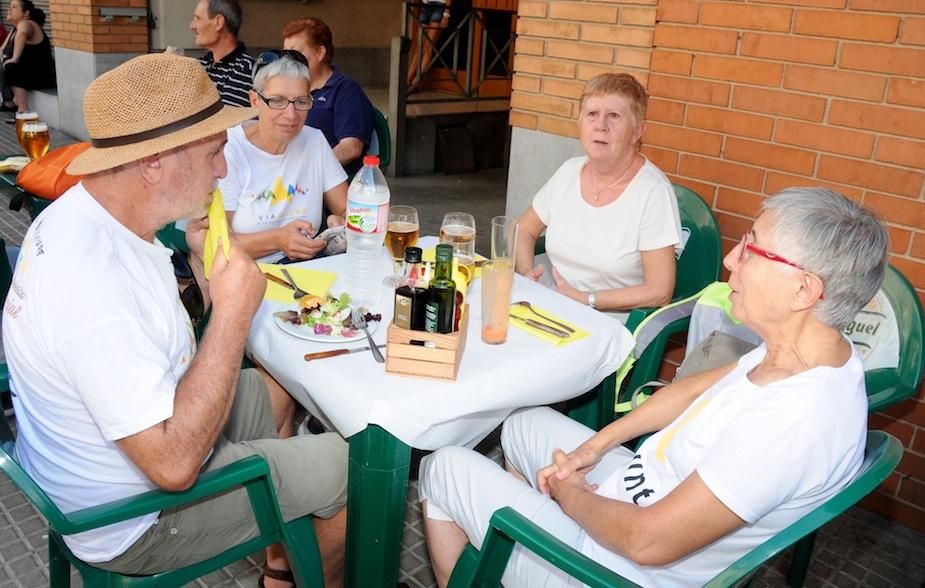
x: 433, y: 355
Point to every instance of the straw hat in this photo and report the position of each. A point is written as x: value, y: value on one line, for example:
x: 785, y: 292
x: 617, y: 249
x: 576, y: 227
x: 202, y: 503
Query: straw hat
x: 148, y: 105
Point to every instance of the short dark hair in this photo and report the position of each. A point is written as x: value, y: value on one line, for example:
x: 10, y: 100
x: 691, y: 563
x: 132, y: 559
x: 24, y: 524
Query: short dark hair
x: 318, y: 33
x: 36, y: 15
x: 230, y: 10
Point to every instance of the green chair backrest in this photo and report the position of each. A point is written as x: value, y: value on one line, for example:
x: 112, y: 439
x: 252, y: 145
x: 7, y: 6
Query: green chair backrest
x: 173, y: 237
x: 887, y: 386
x: 700, y: 261
x: 381, y: 141
x: 251, y: 472
x: 508, y: 527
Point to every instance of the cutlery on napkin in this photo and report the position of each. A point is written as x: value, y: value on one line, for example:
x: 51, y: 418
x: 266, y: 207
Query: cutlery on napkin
x: 522, y: 318
x: 317, y: 282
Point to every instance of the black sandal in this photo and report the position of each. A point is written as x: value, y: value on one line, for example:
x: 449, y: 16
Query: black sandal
x: 279, y: 575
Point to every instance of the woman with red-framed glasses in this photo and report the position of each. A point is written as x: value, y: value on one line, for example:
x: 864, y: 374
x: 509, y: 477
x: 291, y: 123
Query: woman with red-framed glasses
x: 741, y: 451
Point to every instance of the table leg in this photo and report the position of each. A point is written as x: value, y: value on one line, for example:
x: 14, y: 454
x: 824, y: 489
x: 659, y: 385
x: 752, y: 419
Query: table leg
x: 378, y: 483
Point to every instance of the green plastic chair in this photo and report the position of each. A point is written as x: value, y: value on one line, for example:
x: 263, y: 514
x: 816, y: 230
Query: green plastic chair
x: 252, y: 473
x: 508, y: 527
x: 381, y: 141
x: 173, y: 237
x: 698, y: 266
x: 6, y: 280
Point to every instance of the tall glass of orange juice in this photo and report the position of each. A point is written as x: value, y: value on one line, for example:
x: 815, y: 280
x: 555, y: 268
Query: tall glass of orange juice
x: 497, y: 281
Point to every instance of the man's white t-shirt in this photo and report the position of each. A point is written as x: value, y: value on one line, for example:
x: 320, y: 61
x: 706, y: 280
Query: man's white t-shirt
x: 769, y: 453
x: 599, y: 247
x: 96, y: 339
x: 267, y: 191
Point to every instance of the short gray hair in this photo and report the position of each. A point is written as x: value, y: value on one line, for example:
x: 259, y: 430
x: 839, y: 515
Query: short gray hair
x: 231, y: 10
x: 844, y: 244
x: 285, y: 67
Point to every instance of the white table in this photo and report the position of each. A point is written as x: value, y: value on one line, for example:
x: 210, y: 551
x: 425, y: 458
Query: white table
x: 383, y: 415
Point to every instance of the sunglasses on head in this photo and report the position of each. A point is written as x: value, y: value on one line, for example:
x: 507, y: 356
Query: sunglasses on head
x: 268, y: 57
x: 190, y: 294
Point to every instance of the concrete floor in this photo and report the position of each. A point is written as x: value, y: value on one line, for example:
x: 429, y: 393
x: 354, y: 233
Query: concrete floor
x: 857, y: 549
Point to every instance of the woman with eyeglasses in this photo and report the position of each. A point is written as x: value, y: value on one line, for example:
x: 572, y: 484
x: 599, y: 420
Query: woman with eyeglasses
x: 281, y: 173
x: 741, y: 451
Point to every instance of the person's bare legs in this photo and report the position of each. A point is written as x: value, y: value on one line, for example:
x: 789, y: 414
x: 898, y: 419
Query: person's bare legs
x: 445, y: 543
x: 332, y: 535
x: 428, y: 49
x: 19, y: 96
x: 282, y: 404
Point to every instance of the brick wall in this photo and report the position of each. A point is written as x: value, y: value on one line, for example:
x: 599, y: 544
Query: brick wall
x: 751, y: 96
x: 76, y: 24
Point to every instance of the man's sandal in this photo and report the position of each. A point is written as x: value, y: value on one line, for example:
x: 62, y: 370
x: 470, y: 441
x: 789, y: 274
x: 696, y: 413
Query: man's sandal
x: 278, y: 575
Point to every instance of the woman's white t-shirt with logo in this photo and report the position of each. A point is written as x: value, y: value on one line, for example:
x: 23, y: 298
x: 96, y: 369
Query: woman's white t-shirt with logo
x: 267, y: 191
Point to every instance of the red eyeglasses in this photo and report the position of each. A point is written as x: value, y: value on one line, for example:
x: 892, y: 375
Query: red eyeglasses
x: 744, y: 246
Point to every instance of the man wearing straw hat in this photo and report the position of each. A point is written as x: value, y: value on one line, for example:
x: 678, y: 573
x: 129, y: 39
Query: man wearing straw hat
x: 112, y: 397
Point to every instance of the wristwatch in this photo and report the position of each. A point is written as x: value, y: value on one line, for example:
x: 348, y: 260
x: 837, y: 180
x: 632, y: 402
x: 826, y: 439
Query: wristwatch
x: 592, y: 299
x: 446, y: 12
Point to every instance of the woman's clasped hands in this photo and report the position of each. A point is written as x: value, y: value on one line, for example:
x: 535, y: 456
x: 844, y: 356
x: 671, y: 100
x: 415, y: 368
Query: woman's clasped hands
x: 568, y: 471
x: 296, y: 241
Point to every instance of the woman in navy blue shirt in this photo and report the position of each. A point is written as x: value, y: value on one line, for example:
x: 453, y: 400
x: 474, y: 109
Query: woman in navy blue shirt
x: 341, y: 110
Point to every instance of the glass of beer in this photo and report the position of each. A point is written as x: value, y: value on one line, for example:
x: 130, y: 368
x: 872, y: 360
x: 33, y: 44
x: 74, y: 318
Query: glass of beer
x: 21, y: 119
x: 35, y: 139
x: 458, y: 230
x: 401, y: 232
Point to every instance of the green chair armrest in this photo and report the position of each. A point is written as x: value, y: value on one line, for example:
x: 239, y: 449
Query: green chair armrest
x: 248, y: 470
x: 540, y: 246
x: 887, y: 397
x: 507, y: 527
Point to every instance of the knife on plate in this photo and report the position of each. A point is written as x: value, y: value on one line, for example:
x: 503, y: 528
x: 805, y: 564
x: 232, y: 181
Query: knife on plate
x: 336, y: 352
x: 543, y: 327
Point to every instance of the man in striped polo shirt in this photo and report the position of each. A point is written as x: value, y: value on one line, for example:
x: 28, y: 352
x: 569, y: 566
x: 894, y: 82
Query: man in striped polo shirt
x: 216, y: 24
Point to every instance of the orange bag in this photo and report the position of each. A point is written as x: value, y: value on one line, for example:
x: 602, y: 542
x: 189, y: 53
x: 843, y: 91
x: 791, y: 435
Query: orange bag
x: 45, y: 177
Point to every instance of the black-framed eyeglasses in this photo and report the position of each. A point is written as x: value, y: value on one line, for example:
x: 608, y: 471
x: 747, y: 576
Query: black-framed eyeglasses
x: 190, y: 293
x: 302, y: 103
x: 268, y: 57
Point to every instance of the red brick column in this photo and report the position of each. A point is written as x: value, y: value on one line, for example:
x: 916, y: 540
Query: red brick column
x: 76, y: 24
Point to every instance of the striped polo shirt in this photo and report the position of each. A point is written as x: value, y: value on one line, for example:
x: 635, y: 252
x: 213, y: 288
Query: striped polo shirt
x: 232, y: 75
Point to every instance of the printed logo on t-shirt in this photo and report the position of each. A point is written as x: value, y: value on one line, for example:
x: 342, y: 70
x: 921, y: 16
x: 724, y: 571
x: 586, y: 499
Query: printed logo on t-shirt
x: 279, y: 204
x: 637, y: 487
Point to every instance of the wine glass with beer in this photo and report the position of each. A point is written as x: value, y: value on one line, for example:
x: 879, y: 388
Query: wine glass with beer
x: 401, y: 232
x: 458, y: 230
x: 35, y: 139
x: 21, y: 119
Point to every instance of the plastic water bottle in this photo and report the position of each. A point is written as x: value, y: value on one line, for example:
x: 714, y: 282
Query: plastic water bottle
x: 367, y: 217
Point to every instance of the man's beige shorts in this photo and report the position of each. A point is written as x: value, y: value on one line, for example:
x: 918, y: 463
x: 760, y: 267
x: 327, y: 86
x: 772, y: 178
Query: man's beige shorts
x: 309, y: 473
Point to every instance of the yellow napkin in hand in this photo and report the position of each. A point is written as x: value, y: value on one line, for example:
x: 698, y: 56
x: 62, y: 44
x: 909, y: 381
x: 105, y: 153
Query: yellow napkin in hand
x: 218, y: 229
x: 525, y: 313
x: 312, y: 281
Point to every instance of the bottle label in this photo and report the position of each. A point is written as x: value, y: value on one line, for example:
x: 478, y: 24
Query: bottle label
x: 367, y: 218
x: 431, y: 316
x: 402, y: 311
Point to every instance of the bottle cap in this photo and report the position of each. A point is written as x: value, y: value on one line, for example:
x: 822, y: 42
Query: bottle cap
x: 413, y: 254
x: 371, y: 160
x: 444, y: 252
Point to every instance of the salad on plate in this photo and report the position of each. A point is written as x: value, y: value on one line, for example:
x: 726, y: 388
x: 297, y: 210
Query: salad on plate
x: 327, y: 316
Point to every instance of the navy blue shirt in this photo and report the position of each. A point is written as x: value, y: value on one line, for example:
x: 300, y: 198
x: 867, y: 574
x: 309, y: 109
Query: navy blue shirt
x: 342, y: 110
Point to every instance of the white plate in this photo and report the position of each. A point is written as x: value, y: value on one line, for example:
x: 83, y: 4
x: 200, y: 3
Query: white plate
x: 306, y: 333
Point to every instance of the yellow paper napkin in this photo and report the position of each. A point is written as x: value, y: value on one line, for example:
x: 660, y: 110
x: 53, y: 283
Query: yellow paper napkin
x: 523, y: 312
x: 218, y: 229
x: 312, y: 281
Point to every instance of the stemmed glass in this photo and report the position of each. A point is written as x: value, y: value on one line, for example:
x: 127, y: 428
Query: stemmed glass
x: 458, y: 230
x: 401, y: 232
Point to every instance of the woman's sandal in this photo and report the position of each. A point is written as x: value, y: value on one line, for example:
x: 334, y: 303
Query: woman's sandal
x: 278, y: 575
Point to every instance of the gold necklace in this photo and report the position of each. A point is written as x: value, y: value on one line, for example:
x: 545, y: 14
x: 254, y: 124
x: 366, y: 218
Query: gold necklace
x: 597, y: 193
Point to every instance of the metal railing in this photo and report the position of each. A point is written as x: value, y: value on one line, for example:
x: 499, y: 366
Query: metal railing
x: 473, y: 49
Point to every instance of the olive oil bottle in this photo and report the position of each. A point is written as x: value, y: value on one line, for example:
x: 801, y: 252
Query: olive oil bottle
x: 441, y: 294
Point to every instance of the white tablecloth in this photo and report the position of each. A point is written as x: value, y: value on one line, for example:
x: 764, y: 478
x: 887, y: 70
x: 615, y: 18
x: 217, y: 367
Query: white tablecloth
x: 352, y: 391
